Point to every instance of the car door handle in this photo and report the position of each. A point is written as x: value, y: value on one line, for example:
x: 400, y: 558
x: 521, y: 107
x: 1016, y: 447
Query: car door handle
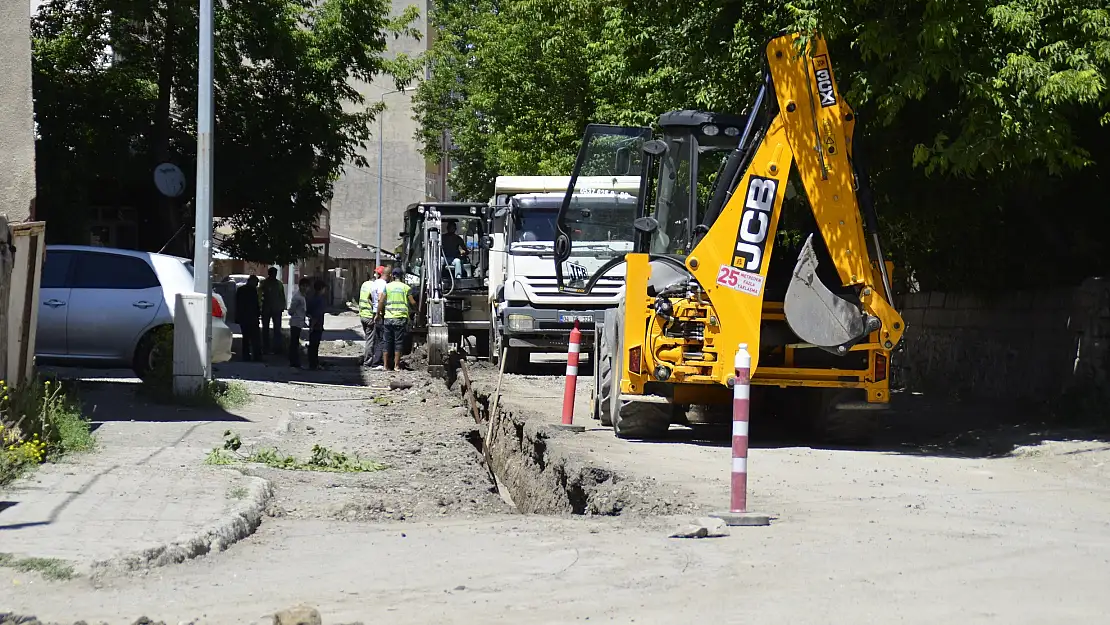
x: 142, y: 305
x: 54, y: 303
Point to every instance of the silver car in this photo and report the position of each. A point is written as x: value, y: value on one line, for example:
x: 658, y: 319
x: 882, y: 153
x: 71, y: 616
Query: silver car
x: 101, y: 306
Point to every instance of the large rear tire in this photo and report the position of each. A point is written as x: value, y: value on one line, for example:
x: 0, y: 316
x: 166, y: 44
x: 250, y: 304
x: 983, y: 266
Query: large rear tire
x: 630, y: 419
x: 605, y: 379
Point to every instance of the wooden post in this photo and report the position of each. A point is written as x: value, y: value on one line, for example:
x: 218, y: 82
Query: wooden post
x: 7, y: 260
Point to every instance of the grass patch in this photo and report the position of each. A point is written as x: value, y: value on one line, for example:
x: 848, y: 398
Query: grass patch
x: 39, y: 421
x: 239, y: 492
x: 49, y: 568
x: 214, y: 394
x: 321, y: 458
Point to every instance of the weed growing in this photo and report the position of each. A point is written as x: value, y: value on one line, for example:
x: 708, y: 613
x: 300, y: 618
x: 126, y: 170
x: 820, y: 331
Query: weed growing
x: 39, y: 421
x: 158, y: 385
x: 321, y: 458
x: 49, y: 568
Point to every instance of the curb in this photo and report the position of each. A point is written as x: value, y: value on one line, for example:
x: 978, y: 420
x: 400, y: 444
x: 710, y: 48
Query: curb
x: 240, y: 523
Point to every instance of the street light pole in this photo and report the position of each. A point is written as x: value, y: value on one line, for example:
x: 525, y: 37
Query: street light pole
x: 381, y: 151
x: 202, y: 246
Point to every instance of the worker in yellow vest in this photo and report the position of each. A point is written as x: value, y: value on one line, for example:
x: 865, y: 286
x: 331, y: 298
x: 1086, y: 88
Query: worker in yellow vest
x: 395, y: 309
x: 368, y: 297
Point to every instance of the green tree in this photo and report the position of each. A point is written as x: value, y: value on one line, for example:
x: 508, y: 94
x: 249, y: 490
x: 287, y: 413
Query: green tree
x: 983, y: 121
x: 115, y: 94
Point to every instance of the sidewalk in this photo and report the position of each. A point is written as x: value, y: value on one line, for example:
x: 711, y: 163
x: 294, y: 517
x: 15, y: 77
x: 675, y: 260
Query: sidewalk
x: 143, y: 498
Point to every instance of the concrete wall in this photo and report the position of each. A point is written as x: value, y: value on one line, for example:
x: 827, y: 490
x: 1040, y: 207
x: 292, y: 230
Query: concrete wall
x: 17, y: 142
x: 354, y: 209
x: 1030, y: 344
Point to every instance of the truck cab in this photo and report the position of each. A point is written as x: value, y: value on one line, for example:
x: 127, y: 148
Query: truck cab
x: 528, y: 312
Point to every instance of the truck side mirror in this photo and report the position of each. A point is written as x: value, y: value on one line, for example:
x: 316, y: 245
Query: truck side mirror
x: 646, y: 225
x: 655, y: 147
x: 487, y: 242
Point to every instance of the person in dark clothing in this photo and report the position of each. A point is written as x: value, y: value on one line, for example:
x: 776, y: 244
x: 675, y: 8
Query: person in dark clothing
x: 247, y: 315
x: 273, y: 304
x: 316, y: 306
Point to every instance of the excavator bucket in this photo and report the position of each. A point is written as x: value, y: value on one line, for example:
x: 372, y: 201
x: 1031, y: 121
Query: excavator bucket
x: 816, y: 314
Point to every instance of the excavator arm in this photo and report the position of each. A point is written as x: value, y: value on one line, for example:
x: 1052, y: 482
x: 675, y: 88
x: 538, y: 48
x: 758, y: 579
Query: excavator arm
x: 811, y: 127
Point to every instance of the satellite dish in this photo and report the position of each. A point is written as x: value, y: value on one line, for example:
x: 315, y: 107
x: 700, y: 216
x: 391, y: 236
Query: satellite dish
x: 169, y: 179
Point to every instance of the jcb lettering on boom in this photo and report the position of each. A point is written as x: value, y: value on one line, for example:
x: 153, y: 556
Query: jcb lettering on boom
x: 823, y: 74
x: 755, y: 222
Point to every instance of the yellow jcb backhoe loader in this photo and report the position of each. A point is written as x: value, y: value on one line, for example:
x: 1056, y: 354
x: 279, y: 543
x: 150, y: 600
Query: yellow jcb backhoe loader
x: 700, y: 280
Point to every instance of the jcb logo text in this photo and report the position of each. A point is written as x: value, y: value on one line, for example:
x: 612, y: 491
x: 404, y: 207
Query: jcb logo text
x: 755, y: 224
x: 823, y: 74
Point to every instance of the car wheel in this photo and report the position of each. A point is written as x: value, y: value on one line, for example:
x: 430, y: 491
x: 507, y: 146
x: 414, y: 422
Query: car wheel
x: 153, y: 349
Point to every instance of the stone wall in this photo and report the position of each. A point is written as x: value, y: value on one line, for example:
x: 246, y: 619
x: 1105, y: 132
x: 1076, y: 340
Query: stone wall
x: 1022, y: 345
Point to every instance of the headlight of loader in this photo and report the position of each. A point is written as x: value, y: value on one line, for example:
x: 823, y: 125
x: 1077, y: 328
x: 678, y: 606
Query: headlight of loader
x: 521, y: 323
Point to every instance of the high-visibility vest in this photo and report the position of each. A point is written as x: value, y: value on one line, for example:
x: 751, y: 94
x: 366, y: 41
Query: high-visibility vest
x: 365, y: 306
x: 397, y: 300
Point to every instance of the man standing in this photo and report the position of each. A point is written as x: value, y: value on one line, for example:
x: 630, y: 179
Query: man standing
x: 316, y: 305
x: 368, y: 315
x: 273, y: 304
x: 298, y: 320
x: 246, y: 315
x: 394, y: 307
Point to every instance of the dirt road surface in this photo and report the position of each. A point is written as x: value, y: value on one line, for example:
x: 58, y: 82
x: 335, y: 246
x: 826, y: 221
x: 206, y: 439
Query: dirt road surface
x: 964, y: 532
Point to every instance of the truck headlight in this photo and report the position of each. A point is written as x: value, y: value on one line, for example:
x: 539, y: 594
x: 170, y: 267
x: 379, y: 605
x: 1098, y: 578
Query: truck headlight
x: 521, y: 323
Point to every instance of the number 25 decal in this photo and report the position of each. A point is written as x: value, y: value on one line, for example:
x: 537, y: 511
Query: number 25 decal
x: 728, y: 276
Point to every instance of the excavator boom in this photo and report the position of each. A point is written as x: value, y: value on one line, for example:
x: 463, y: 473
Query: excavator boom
x: 811, y: 129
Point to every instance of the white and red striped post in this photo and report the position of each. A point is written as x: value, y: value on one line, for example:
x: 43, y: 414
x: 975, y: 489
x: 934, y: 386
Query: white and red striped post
x: 741, y: 394
x: 572, y: 375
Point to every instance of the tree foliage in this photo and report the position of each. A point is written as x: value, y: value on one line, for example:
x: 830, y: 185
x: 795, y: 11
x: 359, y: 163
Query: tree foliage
x: 116, y: 90
x: 984, y: 121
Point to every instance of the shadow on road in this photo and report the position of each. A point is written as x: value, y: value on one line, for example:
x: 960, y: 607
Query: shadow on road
x: 107, y: 400
x: 917, y: 425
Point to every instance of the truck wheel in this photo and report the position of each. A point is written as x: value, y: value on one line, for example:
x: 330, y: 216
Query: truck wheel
x: 516, y: 359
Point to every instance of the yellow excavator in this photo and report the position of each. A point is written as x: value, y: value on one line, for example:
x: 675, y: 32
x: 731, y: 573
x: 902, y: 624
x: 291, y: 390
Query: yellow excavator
x: 701, y: 280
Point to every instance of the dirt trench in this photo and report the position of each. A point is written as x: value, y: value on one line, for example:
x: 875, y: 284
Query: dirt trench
x: 542, y: 477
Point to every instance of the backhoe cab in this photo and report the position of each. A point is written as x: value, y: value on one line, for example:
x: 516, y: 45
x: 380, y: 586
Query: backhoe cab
x: 700, y: 281
x: 446, y: 261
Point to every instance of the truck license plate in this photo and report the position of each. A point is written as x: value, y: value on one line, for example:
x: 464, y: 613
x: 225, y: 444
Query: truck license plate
x: 578, y: 318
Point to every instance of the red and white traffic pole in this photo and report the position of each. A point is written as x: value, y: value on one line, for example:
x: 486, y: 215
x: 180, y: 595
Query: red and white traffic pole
x: 741, y: 397
x: 572, y: 375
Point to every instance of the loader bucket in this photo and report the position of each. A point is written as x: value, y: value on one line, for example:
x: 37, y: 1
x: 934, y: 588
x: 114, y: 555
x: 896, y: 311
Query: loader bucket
x: 816, y: 314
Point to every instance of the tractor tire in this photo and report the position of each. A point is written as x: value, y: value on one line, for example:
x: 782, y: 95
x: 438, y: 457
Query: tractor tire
x: 605, y: 379
x: 630, y: 419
